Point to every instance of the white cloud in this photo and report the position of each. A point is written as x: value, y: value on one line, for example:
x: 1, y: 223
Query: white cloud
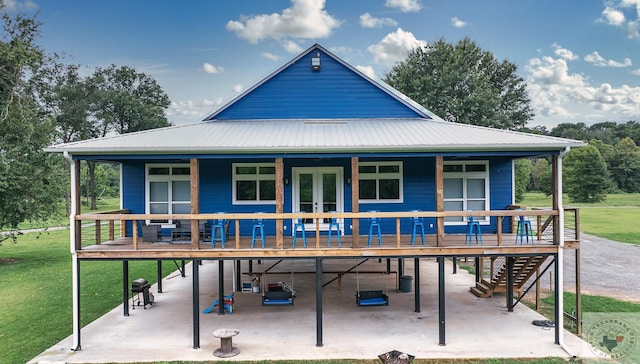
x: 238, y: 88
x: 209, y: 68
x: 187, y: 112
x: 395, y: 47
x: 564, y: 53
x: 561, y: 96
x: 269, y: 56
x: 406, y: 6
x: 597, y: 60
x: 291, y: 46
x: 613, y: 16
x: 367, y: 70
x: 368, y: 21
x: 456, y: 22
x: 16, y: 5
x: 616, y: 17
x: 636, y: 72
x: 304, y: 19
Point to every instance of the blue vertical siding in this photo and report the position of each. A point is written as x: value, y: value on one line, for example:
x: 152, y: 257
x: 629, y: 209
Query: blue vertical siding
x: 133, y: 189
x: 418, y: 192
x: 335, y: 91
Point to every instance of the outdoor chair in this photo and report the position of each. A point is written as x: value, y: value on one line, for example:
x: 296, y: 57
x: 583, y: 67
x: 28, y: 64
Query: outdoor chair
x: 258, y: 228
x: 219, y: 226
x: 334, y: 224
x: 374, y: 225
x: 298, y: 223
x: 524, y: 229
x: 473, y: 229
x: 417, y: 223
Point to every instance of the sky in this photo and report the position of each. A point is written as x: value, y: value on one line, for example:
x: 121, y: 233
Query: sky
x: 579, y: 58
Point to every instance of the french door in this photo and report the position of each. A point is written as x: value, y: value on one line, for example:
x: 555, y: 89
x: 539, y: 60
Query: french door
x: 317, y: 189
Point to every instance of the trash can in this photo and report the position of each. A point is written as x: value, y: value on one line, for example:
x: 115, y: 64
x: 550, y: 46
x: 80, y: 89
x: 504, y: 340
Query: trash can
x: 405, y: 283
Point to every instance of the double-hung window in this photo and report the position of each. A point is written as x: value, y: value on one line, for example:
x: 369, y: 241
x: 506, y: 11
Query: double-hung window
x: 466, y: 188
x: 168, y: 190
x: 254, y: 183
x: 380, y: 182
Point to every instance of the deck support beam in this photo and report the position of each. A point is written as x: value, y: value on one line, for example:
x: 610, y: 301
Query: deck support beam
x: 510, y: 262
x: 125, y: 287
x: 416, y: 273
x: 195, y: 299
x: 75, y: 263
x: 319, y: 302
x: 441, y: 303
x: 221, y: 287
x: 159, y: 271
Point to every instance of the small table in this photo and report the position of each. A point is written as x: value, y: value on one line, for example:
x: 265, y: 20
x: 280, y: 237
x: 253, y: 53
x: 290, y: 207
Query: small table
x: 226, y: 349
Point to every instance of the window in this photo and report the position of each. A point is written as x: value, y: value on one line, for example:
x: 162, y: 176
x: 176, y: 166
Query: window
x: 466, y: 187
x: 254, y: 183
x: 380, y: 181
x: 168, y: 190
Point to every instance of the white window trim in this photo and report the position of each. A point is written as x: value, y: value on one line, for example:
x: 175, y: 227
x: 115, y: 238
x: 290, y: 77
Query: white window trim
x: 246, y: 177
x: 162, y: 178
x: 377, y: 176
x: 483, y: 220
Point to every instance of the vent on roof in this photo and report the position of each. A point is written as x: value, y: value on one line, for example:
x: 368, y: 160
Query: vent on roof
x: 315, y: 62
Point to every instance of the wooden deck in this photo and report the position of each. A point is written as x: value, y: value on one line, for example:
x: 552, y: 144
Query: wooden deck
x: 454, y: 245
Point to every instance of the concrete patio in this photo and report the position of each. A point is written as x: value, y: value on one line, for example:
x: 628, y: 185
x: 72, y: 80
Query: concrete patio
x: 475, y: 327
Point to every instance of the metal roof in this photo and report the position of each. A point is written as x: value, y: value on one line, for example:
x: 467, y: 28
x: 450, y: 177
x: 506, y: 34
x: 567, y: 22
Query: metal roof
x: 317, y: 136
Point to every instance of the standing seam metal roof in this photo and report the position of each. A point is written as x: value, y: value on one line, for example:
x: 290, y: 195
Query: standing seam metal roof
x: 314, y: 135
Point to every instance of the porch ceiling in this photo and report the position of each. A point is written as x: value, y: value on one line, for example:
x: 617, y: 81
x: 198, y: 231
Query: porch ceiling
x: 319, y: 136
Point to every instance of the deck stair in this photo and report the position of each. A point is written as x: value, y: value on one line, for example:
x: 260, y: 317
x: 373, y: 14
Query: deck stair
x: 523, y: 269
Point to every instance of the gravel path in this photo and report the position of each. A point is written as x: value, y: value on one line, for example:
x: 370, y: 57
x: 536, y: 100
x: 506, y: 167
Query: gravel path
x: 608, y: 268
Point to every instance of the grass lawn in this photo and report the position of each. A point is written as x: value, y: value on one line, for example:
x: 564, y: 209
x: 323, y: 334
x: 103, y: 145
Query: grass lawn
x: 35, y: 292
x: 615, y: 219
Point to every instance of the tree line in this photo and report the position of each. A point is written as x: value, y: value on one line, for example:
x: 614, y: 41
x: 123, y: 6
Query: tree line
x: 45, y: 101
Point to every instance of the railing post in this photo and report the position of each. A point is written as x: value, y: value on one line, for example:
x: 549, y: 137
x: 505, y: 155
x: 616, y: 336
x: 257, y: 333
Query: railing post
x: 98, y: 232
x: 134, y: 226
x: 112, y: 230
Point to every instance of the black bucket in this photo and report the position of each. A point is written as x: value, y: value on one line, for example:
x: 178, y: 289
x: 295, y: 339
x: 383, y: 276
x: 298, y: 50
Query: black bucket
x: 405, y: 283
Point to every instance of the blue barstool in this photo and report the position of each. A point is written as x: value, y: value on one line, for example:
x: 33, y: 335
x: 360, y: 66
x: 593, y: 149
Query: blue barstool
x: 524, y: 228
x: 299, y: 224
x: 417, y: 223
x: 473, y: 228
x: 258, y: 225
x: 334, y: 224
x: 218, y: 225
x: 373, y: 224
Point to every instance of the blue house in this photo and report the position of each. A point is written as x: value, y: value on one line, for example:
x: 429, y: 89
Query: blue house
x: 316, y: 148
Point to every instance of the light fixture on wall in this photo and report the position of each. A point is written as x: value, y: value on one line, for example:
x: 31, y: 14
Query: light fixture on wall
x: 286, y: 181
x: 315, y: 62
x: 348, y: 180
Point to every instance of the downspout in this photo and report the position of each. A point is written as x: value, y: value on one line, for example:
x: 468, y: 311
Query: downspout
x: 560, y: 261
x: 74, y: 257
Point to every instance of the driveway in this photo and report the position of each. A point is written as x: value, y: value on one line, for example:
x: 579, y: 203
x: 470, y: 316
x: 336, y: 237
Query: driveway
x: 609, y: 268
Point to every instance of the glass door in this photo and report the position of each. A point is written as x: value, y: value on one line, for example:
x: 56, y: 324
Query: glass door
x: 317, y: 190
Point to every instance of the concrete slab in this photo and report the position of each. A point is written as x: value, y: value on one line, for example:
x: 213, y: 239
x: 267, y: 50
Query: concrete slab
x: 475, y: 327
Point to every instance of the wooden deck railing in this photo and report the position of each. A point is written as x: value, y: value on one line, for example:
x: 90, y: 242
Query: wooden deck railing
x: 90, y: 226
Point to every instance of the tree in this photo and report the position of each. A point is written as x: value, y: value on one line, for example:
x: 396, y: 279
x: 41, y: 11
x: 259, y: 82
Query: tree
x: 464, y: 84
x: 523, y: 177
x: 540, y: 167
x: 577, y: 131
x: 30, y: 187
x: 586, y: 178
x: 124, y: 101
x: 625, y: 166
